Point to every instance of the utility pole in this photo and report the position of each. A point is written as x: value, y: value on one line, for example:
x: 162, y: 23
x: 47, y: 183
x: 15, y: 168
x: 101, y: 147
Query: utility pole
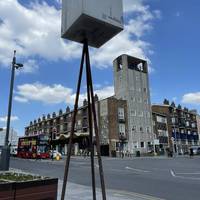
x: 5, y: 157
x: 174, y: 127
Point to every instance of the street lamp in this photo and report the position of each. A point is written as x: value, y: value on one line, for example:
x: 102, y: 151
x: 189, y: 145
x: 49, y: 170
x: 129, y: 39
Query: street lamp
x: 5, y: 156
x: 122, y: 139
x: 174, y: 128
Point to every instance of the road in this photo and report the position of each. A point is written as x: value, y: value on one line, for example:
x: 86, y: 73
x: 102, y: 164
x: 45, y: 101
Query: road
x: 166, y: 178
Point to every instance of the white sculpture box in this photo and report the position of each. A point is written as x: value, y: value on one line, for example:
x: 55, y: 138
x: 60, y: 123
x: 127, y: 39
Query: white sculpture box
x: 96, y: 20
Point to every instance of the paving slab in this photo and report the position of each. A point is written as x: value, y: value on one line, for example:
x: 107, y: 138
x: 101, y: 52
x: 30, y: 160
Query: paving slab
x: 80, y: 192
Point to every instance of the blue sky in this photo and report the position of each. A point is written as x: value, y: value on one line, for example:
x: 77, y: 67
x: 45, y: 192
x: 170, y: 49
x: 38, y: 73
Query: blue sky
x: 166, y: 33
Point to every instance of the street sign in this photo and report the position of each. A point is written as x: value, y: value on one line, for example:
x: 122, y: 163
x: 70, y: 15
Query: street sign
x: 95, y: 20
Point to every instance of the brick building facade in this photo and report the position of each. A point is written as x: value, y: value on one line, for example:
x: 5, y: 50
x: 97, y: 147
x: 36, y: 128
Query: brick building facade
x: 112, y: 124
x: 161, y: 134
x: 182, y: 126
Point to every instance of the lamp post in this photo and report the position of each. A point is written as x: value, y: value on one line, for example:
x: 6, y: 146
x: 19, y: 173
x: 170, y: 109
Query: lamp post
x: 174, y: 128
x: 122, y: 139
x: 5, y: 157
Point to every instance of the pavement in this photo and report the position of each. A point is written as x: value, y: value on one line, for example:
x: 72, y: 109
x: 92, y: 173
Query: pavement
x: 77, y: 192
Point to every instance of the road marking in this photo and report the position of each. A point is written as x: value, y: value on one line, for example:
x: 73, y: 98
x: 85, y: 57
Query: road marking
x: 195, y: 173
x: 137, y: 170
x: 134, y: 195
x: 183, y: 177
x: 172, y: 173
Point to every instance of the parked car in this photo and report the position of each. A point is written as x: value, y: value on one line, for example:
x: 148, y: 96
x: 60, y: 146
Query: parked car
x: 196, y: 150
x: 55, y: 154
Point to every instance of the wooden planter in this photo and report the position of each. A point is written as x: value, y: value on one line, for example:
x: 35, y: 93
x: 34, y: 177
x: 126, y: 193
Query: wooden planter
x: 45, y: 189
x: 7, y: 191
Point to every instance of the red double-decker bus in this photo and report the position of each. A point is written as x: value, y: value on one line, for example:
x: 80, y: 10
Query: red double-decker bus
x: 36, y: 146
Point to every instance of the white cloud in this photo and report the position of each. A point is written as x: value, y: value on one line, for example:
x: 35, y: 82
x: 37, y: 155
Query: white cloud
x: 54, y: 94
x: 191, y: 98
x: 47, y: 94
x: 20, y: 99
x: 35, y: 31
x: 105, y: 92
x: 134, y: 6
x: 12, y: 118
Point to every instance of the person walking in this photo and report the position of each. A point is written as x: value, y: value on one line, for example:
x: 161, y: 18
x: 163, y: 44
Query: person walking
x: 191, y: 152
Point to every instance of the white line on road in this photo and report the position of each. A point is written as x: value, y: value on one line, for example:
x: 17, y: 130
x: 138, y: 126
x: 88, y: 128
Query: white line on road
x: 172, y: 173
x: 137, y: 170
x: 183, y: 177
x: 195, y: 173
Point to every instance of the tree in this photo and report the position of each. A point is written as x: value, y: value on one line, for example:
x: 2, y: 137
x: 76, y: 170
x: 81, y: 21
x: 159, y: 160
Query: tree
x: 166, y: 102
x: 173, y: 104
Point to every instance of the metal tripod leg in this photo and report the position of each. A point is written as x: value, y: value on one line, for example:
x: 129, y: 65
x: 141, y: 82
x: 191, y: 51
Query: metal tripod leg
x: 90, y: 127
x: 69, y: 149
x: 101, y: 173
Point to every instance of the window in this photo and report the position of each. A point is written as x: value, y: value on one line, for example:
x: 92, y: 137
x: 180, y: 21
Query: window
x: 121, y: 113
x: 193, y: 125
x: 135, y: 144
x: 120, y: 67
x: 133, y: 99
x: 61, y: 127
x: 122, y: 129
x: 133, y: 113
x: 161, y: 119
x: 148, y: 114
x: 141, y: 129
x: 79, y: 123
x: 142, y: 144
x: 145, y: 90
x: 162, y: 133
x: 140, y: 114
x: 173, y: 120
x: 148, y: 129
x: 140, y: 100
x: 182, y: 131
x: 146, y: 101
x: 134, y: 128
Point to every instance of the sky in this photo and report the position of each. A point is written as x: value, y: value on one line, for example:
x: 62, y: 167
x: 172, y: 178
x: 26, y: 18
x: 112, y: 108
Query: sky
x: 165, y: 33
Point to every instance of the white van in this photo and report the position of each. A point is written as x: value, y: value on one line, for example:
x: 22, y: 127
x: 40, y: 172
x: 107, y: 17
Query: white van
x: 13, y: 151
